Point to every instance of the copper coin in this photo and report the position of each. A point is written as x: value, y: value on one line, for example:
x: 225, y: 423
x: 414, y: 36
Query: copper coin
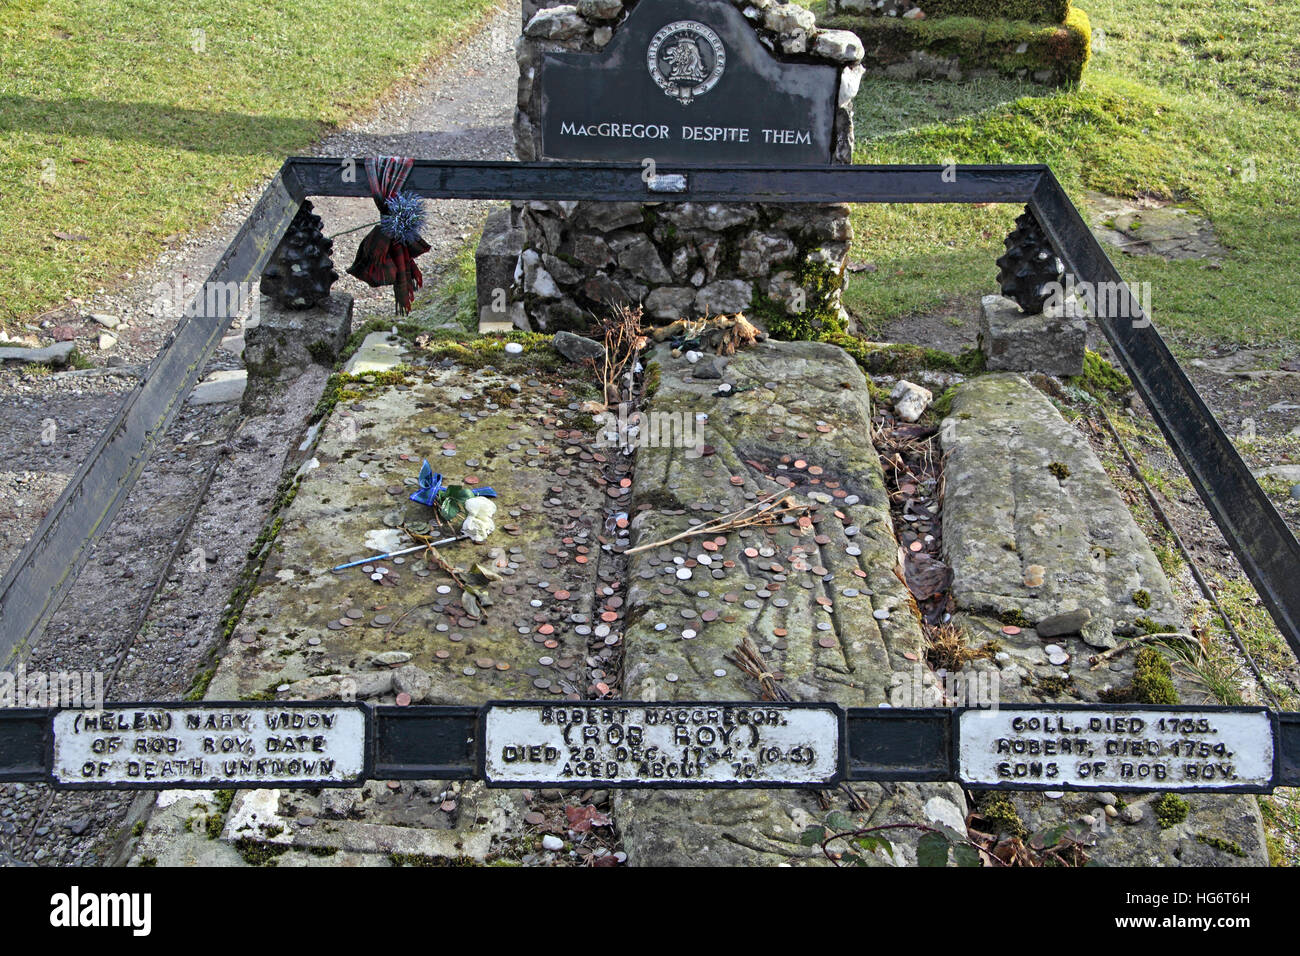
x: 1010, y: 629
x: 546, y: 629
x: 503, y: 666
x: 826, y: 642
x: 442, y: 654
x: 483, y: 662
x: 562, y: 595
x: 403, y: 699
x: 551, y: 644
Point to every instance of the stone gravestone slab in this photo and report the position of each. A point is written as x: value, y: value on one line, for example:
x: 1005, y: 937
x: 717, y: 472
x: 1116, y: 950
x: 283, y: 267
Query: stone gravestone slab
x: 687, y: 81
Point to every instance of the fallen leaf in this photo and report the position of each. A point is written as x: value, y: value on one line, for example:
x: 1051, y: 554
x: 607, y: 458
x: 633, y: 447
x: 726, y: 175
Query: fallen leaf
x: 926, y: 576
x: 583, y: 818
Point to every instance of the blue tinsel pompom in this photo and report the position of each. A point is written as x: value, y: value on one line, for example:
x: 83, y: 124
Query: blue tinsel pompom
x: 405, y: 217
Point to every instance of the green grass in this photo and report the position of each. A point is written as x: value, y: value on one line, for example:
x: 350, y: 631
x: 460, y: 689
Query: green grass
x: 129, y: 122
x: 451, y: 298
x: 1183, y: 98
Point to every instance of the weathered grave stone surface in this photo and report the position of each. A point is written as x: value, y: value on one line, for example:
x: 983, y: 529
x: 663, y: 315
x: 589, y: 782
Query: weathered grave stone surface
x: 307, y: 633
x: 681, y: 81
x: 821, y: 602
x: 1034, y: 532
x: 286, y: 342
x: 1051, y: 342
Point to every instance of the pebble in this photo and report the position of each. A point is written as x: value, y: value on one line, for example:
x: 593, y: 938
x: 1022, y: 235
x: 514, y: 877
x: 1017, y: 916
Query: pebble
x: 552, y: 843
x: 1131, y: 814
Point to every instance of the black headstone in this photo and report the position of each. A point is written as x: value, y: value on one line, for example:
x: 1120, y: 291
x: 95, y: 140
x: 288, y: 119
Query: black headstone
x: 687, y: 81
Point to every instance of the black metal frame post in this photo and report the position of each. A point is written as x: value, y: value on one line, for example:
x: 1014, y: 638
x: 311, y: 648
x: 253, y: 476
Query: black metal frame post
x: 1269, y: 552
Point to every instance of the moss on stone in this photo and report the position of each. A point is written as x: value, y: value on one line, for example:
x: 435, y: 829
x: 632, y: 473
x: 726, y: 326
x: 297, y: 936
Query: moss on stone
x: 1015, y: 618
x: 1054, y: 686
x: 1100, y: 379
x: 1171, y: 810
x: 653, y: 376
x: 820, y: 316
x: 215, y: 823
x: 1153, y: 678
x: 1142, y: 598
x: 1219, y: 843
x: 998, y: 810
x: 1060, y: 470
x: 893, y: 358
x: 1036, y: 11
x: 258, y: 853
x: 1150, y: 626
x: 978, y: 41
x: 942, y: 406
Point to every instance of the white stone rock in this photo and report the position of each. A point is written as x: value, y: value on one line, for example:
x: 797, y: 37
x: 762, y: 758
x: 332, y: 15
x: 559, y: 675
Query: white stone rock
x: 839, y: 45
x: 910, y: 400
x: 220, y: 387
x: 945, y: 812
x: 552, y: 843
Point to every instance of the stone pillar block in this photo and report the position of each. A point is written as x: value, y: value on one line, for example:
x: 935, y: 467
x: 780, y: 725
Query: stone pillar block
x: 285, y: 343
x: 1051, y: 343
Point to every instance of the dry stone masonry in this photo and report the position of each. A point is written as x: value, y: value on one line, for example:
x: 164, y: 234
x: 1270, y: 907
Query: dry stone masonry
x: 686, y: 81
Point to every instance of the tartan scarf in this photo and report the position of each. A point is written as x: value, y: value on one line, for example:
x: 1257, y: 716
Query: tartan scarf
x: 381, y: 259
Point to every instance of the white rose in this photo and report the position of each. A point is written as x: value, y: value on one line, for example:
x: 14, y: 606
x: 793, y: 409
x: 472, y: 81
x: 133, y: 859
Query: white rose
x: 478, y: 523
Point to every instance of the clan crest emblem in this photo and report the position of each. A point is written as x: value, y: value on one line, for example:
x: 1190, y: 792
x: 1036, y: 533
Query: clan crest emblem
x: 686, y: 60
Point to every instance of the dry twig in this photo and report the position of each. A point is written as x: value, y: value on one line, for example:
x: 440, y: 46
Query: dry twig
x: 761, y: 513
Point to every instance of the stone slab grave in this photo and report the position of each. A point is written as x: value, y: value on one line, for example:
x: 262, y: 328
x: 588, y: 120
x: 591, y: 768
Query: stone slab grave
x: 309, y: 633
x: 666, y: 83
x: 1036, y: 534
x: 821, y: 600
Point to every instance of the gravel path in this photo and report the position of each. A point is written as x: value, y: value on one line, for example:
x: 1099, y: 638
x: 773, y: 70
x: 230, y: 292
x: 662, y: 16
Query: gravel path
x: 145, y: 609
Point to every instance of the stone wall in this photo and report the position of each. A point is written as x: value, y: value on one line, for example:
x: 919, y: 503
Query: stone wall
x: 578, y: 258
x: 1043, y: 41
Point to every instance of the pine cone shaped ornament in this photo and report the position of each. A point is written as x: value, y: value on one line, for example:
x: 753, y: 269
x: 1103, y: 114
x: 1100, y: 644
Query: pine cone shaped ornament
x: 301, y: 271
x: 1030, y: 270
